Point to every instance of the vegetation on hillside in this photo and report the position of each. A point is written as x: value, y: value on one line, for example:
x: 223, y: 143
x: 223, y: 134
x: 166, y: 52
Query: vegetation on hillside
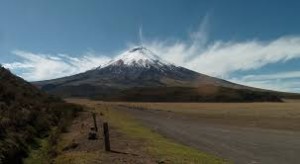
x: 26, y: 114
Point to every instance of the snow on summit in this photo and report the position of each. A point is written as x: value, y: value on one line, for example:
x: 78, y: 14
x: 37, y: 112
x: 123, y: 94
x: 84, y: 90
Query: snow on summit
x: 138, y: 57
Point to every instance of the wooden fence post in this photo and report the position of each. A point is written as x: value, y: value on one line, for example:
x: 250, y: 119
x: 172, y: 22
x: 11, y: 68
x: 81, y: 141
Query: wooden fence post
x: 106, y: 136
x: 95, y: 122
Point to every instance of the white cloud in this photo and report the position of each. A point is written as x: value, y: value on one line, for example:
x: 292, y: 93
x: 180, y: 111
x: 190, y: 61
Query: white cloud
x: 18, y: 65
x: 223, y: 58
x: 34, y: 67
x: 286, y: 85
x: 219, y: 58
x: 274, y: 76
x: 282, y: 81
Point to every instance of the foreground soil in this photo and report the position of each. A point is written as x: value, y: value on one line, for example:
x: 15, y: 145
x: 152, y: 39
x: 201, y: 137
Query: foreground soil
x: 131, y: 141
x: 264, y: 133
x: 76, y: 148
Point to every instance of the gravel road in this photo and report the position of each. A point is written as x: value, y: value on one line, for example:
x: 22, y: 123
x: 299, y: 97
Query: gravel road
x: 243, y: 145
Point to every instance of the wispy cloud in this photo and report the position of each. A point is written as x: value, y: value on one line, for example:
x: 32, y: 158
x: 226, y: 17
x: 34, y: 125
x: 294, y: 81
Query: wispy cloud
x: 283, y: 81
x: 34, y: 66
x: 223, y: 58
x: 141, y: 37
x: 219, y: 58
x: 278, y: 85
x: 274, y: 76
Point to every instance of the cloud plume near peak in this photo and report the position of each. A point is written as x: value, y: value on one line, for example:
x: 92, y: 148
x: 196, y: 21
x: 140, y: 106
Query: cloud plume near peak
x: 223, y: 58
x: 220, y: 59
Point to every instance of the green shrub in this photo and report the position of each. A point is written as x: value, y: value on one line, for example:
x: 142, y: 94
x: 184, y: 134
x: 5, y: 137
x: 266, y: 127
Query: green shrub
x: 26, y: 114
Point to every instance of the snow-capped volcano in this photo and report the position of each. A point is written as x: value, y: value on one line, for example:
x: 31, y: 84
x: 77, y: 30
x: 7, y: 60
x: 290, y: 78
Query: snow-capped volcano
x: 138, y: 67
x: 140, y: 75
x: 138, y: 57
x: 136, y: 62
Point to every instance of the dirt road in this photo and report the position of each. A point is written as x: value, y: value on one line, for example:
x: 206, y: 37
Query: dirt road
x: 238, y: 143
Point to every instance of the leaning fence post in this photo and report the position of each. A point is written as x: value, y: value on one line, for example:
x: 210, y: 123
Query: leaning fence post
x: 106, y: 136
x: 95, y: 122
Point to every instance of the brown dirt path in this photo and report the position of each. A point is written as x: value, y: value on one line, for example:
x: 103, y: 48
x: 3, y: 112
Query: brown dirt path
x: 75, y: 148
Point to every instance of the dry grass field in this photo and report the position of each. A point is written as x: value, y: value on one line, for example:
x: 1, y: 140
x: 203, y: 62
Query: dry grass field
x: 238, y: 132
x: 289, y: 109
x: 137, y: 143
x: 284, y: 116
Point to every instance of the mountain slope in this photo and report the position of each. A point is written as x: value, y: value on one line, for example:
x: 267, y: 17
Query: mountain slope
x: 26, y: 113
x: 140, y: 70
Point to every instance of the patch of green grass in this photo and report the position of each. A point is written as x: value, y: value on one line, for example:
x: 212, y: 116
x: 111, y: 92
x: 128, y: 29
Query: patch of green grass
x: 158, y: 146
x: 47, y: 148
x: 39, y: 155
x: 74, y: 157
x: 79, y: 157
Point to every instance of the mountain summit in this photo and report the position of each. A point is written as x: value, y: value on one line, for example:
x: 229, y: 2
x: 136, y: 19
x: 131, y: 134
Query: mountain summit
x: 138, y: 57
x: 140, y: 75
x: 137, y: 67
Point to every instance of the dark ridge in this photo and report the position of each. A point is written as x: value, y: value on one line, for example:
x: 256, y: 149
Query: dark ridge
x: 26, y: 114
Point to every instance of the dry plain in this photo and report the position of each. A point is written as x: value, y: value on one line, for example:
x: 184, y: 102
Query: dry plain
x: 239, y: 132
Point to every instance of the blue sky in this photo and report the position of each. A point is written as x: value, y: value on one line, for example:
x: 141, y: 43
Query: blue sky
x: 256, y: 42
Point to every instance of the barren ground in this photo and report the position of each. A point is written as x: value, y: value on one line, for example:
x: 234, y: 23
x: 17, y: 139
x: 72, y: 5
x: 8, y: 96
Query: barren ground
x: 244, y: 133
x: 264, y: 133
x: 131, y: 142
x: 76, y: 148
